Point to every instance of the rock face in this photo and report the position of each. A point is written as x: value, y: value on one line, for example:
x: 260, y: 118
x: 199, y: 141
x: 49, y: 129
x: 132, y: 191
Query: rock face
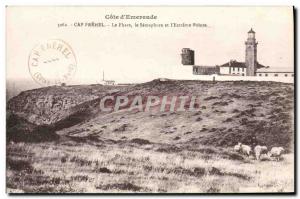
x: 47, y: 106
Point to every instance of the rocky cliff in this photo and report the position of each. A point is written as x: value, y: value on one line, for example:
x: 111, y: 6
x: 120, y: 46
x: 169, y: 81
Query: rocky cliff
x: 35, y: 115
x: 47, y: 106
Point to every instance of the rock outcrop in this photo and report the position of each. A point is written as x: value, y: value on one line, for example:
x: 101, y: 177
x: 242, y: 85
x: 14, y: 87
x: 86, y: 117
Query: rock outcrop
x: 47, y: 106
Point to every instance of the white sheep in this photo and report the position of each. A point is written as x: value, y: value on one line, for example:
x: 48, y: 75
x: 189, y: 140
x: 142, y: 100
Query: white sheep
x: 244, y: 149
x: 259, y: 150
x: 276, y: 152
x: 237, y: 147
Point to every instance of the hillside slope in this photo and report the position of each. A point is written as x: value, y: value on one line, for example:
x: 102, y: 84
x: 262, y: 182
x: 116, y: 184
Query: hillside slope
x: 252, y: 112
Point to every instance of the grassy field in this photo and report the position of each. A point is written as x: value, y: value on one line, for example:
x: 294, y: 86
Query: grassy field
x: 167, y: 152
x: 113, y: 168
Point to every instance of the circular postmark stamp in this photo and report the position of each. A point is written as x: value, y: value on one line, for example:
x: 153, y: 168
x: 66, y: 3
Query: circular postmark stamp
x: 52, y: 62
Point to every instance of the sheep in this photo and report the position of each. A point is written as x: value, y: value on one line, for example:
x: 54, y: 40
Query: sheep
x: 276, y: 152
x: 259, y: 150
x: 237, y: 147
x: 244, y: 149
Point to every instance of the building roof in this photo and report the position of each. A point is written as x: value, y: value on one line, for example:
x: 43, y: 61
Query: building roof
x: 258, y: 66
x: 234, y: 63
x: 251, y: 31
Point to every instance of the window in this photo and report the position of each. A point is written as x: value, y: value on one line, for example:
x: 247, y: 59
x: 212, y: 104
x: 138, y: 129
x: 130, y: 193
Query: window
x: 243, y: 74
x: 292, y: 75
x: 238, y: 68
x: 276, y: 75
x: 285, y: 75
x: 242, y: 69
x: 266, y: 75
x: 259, y: 74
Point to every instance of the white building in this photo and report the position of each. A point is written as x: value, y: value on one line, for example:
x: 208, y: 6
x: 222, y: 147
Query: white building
x: 236, y: 68
x: 275, y: 72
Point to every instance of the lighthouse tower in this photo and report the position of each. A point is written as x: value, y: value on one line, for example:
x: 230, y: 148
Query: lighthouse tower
x: 251, y: 54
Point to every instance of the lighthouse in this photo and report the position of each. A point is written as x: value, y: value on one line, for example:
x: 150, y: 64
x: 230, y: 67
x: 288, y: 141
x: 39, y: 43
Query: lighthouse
x: 251, y: 54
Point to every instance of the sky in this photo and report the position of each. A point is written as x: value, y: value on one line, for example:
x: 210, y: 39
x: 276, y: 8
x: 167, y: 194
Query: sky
x: 142, y: 54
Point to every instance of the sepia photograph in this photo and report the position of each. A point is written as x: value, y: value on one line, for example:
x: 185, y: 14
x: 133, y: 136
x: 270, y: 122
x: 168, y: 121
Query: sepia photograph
x: 150, y: 100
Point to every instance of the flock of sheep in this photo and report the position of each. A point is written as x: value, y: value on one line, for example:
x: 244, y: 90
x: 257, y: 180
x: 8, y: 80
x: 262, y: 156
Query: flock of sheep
x: 258, y: 150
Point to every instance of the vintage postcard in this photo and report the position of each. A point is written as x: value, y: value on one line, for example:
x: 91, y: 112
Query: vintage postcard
x: 157, y: 99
